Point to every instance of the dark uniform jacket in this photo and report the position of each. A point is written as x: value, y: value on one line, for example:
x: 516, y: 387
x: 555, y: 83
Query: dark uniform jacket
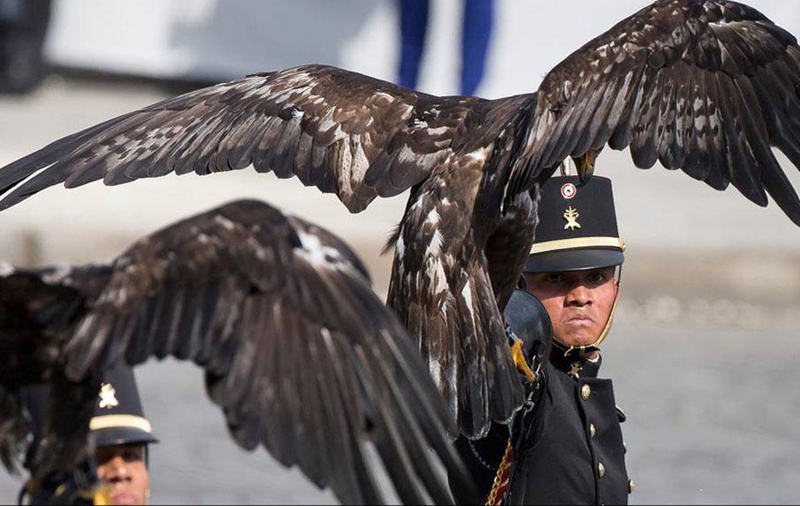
x: 571, y: 451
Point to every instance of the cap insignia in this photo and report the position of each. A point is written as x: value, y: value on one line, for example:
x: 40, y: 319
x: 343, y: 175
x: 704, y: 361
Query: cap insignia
x: 108, y: 397
x: 568, y: 190
x: 571, y: 215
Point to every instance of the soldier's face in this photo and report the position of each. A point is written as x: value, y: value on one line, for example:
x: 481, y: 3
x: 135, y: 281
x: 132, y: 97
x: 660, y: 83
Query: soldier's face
x: 579, y: 302
x: 123, y: 471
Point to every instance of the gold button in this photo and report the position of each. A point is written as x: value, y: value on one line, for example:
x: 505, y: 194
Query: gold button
x: 592, y: 430
x: 601, y: 469
x: 624, y: 447
x: 586, y: 391
x: 631, y: 486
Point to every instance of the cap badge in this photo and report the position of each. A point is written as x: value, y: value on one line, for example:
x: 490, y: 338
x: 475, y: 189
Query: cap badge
x: 571, y: 215
x: 108, y: 397
x: 568, y: 190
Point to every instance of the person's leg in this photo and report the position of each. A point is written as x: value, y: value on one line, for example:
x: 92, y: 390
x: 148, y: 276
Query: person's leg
x: 477, y: 30
x: 413, y: 28
x: 23, y: 27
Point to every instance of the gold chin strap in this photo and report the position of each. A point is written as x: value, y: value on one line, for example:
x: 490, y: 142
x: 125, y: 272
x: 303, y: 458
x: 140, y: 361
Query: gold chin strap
x: 596, y: 345
x: 610, y: 320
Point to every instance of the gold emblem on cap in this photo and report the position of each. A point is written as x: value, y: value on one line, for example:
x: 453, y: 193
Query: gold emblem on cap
x: 571, y: 215
x: 108, y: 396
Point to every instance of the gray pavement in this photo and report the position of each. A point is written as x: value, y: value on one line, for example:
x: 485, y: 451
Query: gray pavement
x: 712, y: 419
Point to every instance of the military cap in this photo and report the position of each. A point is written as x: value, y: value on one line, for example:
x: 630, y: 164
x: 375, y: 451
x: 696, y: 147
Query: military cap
x: 577, y: 227
x: 118, y: 414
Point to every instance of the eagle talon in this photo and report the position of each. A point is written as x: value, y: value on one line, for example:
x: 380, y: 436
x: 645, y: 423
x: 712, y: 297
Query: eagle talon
x: 520, y: 361
x: 584, y: 164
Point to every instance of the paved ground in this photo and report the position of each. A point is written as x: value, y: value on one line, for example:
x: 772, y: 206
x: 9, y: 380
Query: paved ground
x: 712, y: 419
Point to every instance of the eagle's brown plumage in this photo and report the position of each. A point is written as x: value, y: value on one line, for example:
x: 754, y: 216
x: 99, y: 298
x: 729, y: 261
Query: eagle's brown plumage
x: 243, y: 291
x: 705, y: 86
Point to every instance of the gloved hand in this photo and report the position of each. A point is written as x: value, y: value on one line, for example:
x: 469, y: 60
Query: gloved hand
x: 63, y: 487
x: 528, y: 327
x: 530, y: 330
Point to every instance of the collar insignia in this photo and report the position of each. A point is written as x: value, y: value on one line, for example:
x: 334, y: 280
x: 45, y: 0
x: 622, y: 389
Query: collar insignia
x: 571, y: 215
x: 108, y: 397
x: 575, y: 370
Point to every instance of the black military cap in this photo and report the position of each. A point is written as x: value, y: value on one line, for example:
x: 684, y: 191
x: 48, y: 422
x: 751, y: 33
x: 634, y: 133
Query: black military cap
x: 118, y: 415
x: 577, y: 227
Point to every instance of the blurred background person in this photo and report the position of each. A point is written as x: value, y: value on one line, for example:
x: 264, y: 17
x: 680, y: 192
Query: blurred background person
x: 122, y: 436
x: 23, y: 27
x: 477, y: 21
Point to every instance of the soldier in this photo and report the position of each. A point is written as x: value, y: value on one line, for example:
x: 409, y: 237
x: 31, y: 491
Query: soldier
x: 566, y: 446
x: 121, y: 434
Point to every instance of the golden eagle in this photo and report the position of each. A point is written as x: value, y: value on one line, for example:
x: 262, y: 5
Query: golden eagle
x: 705, y: 86
x: 297, y: 349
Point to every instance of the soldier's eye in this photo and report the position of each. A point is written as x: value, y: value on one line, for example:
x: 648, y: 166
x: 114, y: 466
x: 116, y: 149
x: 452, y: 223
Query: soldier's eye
x: 600, y: 276
x: 133, y: 454
x: 554, y: 278
x: 596, y: 277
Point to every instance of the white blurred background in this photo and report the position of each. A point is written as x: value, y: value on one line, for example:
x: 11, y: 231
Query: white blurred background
x: 706, y: 335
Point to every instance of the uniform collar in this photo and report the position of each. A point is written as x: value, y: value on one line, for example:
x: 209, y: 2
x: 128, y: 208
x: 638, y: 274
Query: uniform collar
x: 575, y: 364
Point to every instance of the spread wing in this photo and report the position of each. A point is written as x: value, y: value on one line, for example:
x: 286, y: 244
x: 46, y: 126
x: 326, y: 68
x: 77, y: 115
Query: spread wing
x: 707, y: 87
x: 298, y: 351
x: 340, y: 131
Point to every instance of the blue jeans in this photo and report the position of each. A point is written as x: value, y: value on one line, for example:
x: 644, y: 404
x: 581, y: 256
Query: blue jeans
x: 476, y: 32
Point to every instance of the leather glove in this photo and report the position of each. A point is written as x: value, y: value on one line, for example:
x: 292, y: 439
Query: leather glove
x: 529, y: 330
x: 78, y: 486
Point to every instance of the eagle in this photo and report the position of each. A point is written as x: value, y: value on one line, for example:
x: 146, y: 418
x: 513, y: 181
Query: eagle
x: 709, y: 87
x: 244, y: 291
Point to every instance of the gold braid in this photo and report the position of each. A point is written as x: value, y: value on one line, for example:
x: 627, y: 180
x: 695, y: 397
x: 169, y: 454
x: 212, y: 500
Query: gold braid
x: 499, y: 482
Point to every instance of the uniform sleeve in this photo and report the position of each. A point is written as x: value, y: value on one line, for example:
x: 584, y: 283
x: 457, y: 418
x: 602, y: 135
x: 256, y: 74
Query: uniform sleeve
x: 483, y: 456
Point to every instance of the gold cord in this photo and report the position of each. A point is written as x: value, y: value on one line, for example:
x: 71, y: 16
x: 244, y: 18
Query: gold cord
x: 499, y: 485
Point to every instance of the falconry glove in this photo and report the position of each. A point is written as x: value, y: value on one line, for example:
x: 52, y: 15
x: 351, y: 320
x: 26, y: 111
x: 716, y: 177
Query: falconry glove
x: 76, y: 486
x: 530, y: 335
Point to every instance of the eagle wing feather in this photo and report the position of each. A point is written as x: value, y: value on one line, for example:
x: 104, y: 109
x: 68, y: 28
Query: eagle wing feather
x: 708, y: 87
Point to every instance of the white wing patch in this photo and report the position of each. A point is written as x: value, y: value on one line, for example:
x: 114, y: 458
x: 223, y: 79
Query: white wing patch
x: 466, y: 294
x: 399, y: 251
x: 435, y: 247
x: 435, y: 273
x: 59, y: 275
x: 225, y: 222
x: 6, y: 269
x: 314, y: 252
x: 481, y: 154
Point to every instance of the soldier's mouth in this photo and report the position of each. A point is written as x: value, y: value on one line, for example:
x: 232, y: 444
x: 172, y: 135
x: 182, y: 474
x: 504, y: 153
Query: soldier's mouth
x: 579, y: 320
x: 124, y: 497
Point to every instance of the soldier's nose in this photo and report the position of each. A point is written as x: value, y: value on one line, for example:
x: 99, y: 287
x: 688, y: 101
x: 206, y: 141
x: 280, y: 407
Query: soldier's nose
x: 579, y: 296
x: 117, y: 470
